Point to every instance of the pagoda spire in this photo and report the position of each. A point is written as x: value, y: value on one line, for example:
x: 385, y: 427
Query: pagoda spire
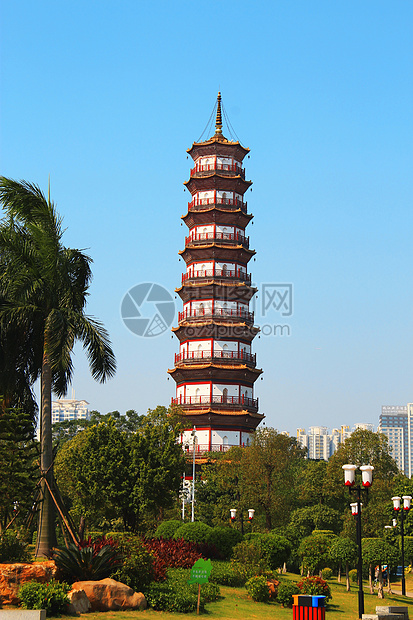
x: 218, y: 121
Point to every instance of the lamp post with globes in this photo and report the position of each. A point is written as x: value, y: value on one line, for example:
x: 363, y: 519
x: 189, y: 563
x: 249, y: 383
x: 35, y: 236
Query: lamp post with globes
x: 233, y: 515
x: 349, y: 481
x: 402, y: 511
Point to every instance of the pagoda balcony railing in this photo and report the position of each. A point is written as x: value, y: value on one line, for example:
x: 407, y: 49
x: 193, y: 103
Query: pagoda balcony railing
x: 228, y: 274
x: 226, y: 313
x: 215, y: 167
x: 198, y: 204
x: 222, y: 401
x: 214, y: 447
x: 218, y: 236
x: 236, y: 356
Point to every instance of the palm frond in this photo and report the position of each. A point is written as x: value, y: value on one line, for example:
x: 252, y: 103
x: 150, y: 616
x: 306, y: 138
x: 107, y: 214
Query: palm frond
x: 99, y: 352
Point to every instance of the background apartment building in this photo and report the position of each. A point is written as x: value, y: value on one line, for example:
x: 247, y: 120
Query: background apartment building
x: 69, y: 409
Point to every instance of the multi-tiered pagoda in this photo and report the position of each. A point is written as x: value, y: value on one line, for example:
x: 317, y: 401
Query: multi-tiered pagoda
x: 215, y: 369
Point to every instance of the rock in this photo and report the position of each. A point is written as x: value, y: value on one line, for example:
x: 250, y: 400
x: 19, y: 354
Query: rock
x: 110, y: 595
x: 79, y: 602
x: 13, y: 575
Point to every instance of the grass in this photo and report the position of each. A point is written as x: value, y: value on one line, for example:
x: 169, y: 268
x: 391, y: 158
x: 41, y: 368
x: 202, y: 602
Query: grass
x: 235, y: 604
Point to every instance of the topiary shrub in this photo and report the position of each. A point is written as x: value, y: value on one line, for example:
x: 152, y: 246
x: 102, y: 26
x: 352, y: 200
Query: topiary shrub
x: 315, y: 586
x: 225, y: 539
x: 194, y: 532
x: 258, y: 589
x: 50, y: 596
x: 286, y: 591
x: 353, y: 575
x: 327, y: 573
x: 276, y: 549
x: 167, y: 529
x: 224, y: 574
x: 12, y: 549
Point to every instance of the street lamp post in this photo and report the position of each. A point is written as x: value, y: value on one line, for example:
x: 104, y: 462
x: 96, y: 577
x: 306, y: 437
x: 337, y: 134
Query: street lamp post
x: 233, y: 515
x: 349, y: 480
x: 403, y: 514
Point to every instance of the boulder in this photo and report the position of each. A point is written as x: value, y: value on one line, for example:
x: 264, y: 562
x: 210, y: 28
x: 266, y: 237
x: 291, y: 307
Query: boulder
x: 79, y: 602
x: 110, y: 595
x: 13, y: 575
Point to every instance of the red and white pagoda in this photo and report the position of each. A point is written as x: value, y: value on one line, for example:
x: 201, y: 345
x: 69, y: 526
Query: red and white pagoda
x: 215, y: 369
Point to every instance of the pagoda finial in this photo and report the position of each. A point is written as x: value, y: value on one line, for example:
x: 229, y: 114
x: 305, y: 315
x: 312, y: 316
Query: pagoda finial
x: 218, y: 122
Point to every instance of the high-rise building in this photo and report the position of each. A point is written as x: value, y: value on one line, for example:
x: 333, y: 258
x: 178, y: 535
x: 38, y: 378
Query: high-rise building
x: 215, y: 369
x: 69, y: 409
x: 321, y: 445
x: 396, y: 422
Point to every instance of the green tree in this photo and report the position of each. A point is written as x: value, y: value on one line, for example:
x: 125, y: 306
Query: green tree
x: 43, y: 290
x: 269, y: 472
x: 379, y: 551
x: 361, y: 448
x: 408, y: 549
x: 66, y: 430
x: 17, y: 455
x: 310, y: 485
x: 220, y: 489
x: 109, y: 474
x: 343, y: 551
x: 318, y: 517
x: 315, y: 551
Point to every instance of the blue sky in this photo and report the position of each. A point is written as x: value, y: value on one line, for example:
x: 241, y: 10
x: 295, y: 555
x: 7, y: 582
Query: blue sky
x: 107, y: 96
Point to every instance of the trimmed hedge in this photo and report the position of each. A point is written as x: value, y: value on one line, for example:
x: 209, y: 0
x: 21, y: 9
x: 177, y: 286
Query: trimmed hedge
x: 167, y: 529
x: 194, y: 532
x: 225, y: 539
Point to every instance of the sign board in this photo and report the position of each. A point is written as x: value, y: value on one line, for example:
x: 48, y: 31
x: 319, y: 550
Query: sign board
x: 200, y: 571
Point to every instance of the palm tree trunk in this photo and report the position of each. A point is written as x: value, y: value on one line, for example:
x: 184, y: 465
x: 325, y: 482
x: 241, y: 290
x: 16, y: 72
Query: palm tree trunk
x: 46, y: 533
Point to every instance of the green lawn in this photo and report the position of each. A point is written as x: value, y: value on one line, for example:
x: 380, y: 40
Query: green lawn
x: 236, y: 605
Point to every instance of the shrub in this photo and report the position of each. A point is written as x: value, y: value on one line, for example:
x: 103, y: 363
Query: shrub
x: 173, y: 553
x: 90, y: 561
x: 210, y: 592
x: 50, y: 596
x: 167, y: 529
x: 248, y: 560
x: 327, y: 573
x: 137, y: 570
x: 253, y: 536
x: 194, y: 532
x: 258, y: 589
x: 225, y: 539
x: 353, y: 575
x: 172, y: 596
x: 286, y: 590
x: 224, y: 574
x: 314, y: 586
x: 12, y: 549
x: 275, y: 548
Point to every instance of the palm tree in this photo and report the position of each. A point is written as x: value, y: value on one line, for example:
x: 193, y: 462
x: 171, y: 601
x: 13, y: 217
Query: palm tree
x: 43, y: 291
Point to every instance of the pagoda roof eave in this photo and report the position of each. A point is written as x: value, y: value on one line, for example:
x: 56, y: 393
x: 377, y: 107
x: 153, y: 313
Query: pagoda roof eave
x: 222, y: 177
x: 217, y: 141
